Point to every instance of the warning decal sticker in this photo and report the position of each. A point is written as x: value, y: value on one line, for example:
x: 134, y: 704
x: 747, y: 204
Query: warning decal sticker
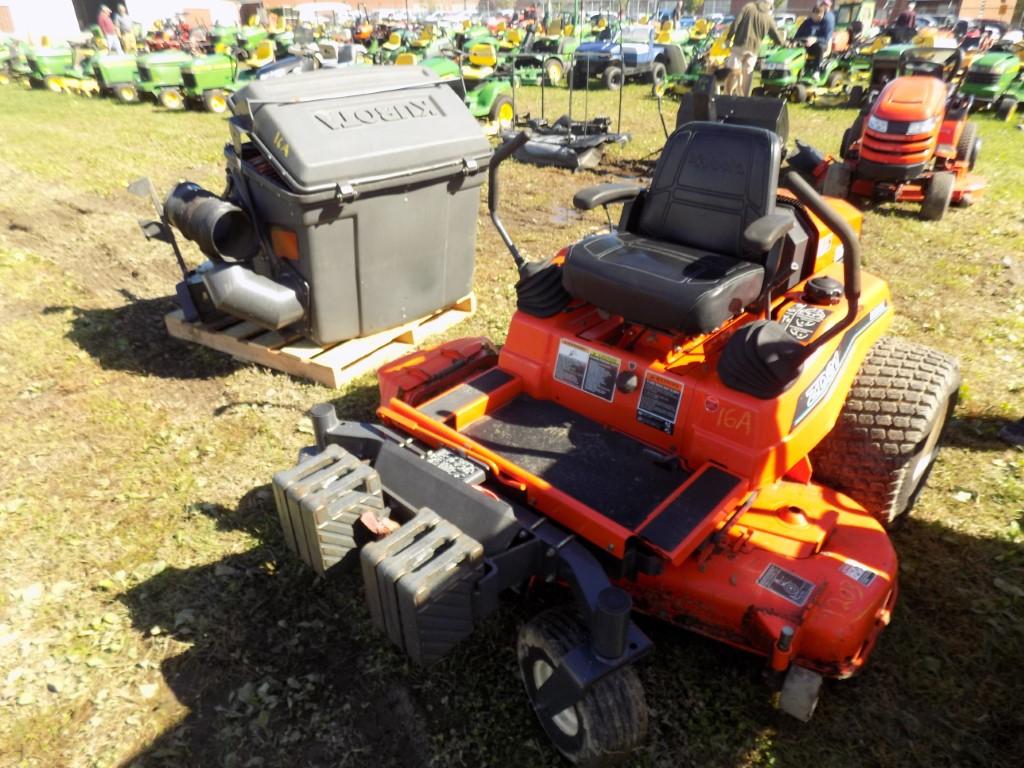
x: 858, y: 572
x: 802, y: 321
x: 659, y: 402
x: 587, y: 369
x: 786, y: 585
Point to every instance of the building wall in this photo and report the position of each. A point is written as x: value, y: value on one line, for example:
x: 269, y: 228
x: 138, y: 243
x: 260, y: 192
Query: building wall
x: 799, y: 7
x: 1000, y: 10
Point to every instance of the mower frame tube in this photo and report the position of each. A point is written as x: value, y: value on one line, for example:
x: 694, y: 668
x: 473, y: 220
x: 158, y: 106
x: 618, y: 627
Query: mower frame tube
x: 816, y: 204
x: 540, y: 549
x: 501, y: 154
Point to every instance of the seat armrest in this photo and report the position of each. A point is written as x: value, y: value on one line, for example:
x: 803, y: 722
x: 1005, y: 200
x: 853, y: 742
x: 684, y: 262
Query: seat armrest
x: 762, y: 234
x: 589, y: 198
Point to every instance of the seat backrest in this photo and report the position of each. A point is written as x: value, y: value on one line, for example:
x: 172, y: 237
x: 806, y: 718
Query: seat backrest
x: 711, y: 181
x: 483, y: 55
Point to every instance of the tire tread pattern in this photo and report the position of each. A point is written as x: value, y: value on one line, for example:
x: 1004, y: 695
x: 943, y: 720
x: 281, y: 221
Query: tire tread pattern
x: 613, y: 713
x: 898, y: 392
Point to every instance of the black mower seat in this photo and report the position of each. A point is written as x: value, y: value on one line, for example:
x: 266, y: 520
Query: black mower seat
x: 690, y: 259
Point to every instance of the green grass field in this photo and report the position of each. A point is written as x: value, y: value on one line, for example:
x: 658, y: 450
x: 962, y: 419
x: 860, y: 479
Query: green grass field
x: 150, y: 614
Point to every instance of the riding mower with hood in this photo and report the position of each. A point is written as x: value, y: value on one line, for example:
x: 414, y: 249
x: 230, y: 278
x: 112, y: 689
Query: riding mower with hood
x: 117, y: 75
x: 796, y: 73
x: 697, y: 416
x: 160, y: 77
x: 207, y: 81
x: 914, y: 141
x: 996, y: 80
x: 485, y: 88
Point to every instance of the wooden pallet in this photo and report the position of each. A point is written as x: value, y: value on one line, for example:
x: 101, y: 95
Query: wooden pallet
x: 334, y: 365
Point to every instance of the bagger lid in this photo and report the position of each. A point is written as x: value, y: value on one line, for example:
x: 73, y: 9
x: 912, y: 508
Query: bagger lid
x: 359, y: 129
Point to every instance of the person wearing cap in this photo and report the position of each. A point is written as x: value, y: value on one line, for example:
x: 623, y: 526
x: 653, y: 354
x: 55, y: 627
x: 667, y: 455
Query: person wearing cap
x: 109, y: 31
x: 745, y: 34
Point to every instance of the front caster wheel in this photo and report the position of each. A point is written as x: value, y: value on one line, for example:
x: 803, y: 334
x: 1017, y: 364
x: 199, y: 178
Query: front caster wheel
x: 609, y: 721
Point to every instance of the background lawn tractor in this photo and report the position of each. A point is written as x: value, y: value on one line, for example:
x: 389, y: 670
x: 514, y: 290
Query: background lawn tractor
x: 795, y: 73
x: 486, y: 90
x: 995, y: 80
x: 117, y: 75
x: 47, y: 65
x: 633, y: 55
x: 13, y: 64
x: 914, y: 142
x: 885, y: 64
x: 160, y: 77
x: 208, y: 80
x: 682, y: 422
x: 553, y: 51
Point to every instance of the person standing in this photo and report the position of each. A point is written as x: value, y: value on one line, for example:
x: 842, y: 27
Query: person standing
x: 829, y: 26
x: 125, y: 28
x: 905, y: 26
x: 745, y: 35
x: 109, y: 31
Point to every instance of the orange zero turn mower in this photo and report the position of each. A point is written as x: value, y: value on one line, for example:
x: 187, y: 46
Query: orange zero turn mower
x: 696, y: 416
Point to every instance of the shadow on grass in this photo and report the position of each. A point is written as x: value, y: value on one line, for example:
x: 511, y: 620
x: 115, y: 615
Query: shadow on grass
x: 133, y: 338
x: 286, y: 669
x: 978, y: 433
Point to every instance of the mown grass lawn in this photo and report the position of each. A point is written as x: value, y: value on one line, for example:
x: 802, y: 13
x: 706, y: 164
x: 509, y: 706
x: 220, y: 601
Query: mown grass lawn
x: 151, y: 615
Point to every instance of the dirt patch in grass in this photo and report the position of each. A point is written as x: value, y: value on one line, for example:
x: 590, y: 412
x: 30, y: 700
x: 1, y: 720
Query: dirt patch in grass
x: 151, y: 615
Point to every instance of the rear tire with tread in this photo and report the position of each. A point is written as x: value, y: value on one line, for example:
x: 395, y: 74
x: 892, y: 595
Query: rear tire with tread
x: 612, y: 78
x: 658, y: 73
x: 969, y: 145
x: 215, y: 101
x: 554, y: 72
x: 938, y: 196
x: 126, y: 94
x: 1005, y: 108
x: 884, y: 444
x: 609, y: 721
x: 172, y: 99
x: 502, y: 113
x: 849, y: 136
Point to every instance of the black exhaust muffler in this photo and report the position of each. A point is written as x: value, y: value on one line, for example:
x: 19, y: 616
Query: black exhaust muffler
x: 220, y: 228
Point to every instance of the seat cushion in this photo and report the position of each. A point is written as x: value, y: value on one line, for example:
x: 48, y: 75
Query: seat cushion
x: 661, y: 284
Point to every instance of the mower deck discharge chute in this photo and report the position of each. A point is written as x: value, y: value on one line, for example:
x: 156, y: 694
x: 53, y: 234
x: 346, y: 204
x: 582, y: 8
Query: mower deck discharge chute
x: 350, y: 206
x: 696, y: 416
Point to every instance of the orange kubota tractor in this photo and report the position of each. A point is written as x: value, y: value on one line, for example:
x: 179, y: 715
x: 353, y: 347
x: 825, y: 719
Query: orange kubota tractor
x: 696, y: 416
x: 913, y: 141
